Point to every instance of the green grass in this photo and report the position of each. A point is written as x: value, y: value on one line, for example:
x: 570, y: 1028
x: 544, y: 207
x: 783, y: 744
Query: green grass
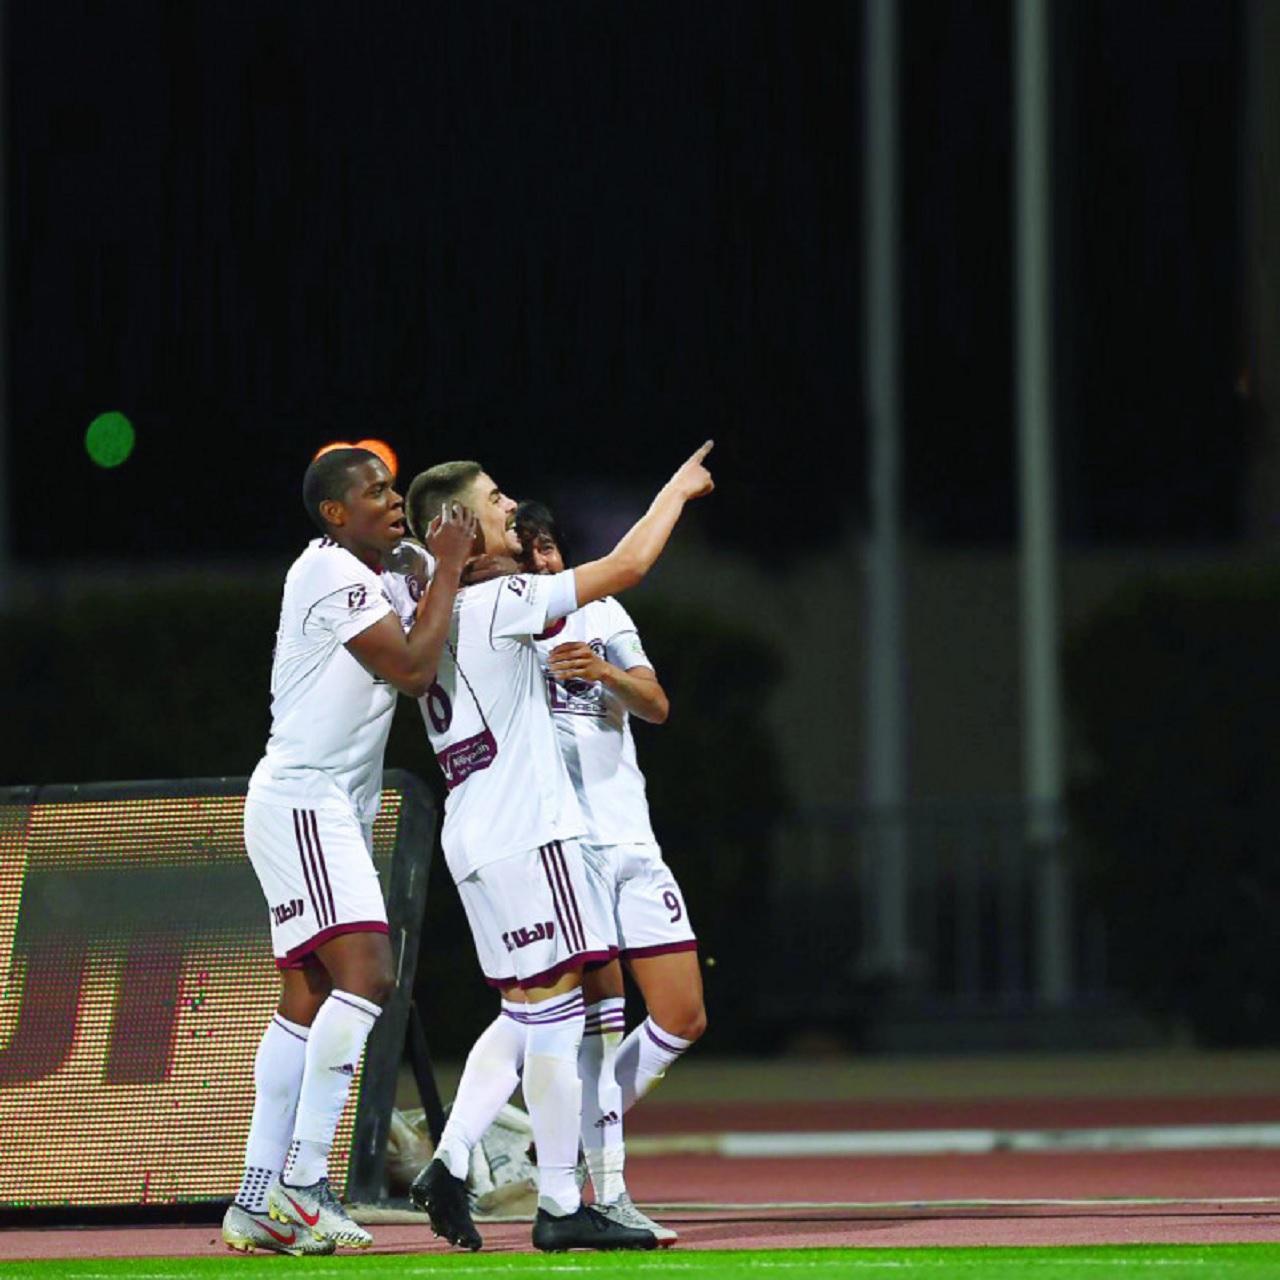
x: 1078, y: 1262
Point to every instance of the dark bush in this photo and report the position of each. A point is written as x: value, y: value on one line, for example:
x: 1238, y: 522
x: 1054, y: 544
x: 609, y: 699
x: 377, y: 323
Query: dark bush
x: 1174, y: 688
x: 173, y: 682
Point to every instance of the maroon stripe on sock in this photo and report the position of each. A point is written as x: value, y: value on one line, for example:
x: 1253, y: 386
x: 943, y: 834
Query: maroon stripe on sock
x: 658, y: 1040
x: 289, y: 1031
x: 563, y: 1002
x: 563, y: 1012
x: 601, y: 1024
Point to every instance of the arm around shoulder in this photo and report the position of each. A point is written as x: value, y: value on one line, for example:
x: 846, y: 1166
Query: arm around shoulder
x: 410, y: 661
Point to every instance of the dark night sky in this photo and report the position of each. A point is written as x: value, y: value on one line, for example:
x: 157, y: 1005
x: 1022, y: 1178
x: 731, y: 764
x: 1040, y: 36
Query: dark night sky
x: 575, y: 239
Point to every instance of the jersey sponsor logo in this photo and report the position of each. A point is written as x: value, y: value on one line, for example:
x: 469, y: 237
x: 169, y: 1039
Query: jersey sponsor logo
x: 579, y: 697
x: 469, y: 756
x: 543, y: 931
x: 357, y: 598
x: 287, y: 910
x: 518, y: 584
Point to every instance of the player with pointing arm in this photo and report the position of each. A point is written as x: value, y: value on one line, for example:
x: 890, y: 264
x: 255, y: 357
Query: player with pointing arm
x: 510, y: 836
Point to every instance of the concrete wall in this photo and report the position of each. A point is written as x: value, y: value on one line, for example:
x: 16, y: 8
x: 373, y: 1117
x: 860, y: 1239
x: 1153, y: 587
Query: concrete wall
x: 962, y: 635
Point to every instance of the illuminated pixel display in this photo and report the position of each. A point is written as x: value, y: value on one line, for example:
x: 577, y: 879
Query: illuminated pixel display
x: 136, y: 978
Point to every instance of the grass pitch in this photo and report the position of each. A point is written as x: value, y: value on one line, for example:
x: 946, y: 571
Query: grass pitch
x: 1170, y: 1262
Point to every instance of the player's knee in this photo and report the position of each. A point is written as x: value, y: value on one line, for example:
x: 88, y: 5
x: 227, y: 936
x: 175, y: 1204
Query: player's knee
x: 382, y: 986
x: 373, y: 982
x: 688, y: 1022
x: 697, y: 1023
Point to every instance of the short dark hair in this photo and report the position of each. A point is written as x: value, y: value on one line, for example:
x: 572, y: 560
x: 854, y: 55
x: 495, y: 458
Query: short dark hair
x: 328, y: 479
x: 432, y: 488
x: 535, y: 519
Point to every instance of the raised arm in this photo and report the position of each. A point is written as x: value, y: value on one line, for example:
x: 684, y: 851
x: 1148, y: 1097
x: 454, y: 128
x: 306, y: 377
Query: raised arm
x: 409, y: 661
x: 642, y: 544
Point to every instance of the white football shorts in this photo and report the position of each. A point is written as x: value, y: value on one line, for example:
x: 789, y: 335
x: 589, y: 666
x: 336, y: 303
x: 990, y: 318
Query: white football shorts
x: 316, y: 870
x: 537, y: 914
x: 648, y: 907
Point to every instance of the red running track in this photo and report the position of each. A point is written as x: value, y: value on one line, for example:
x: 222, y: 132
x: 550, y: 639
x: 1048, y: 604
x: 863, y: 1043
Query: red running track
x: 878, y: 1201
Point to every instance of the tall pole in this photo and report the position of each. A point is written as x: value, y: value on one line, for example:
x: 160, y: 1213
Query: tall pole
x: 887, y: 951
x: 1041, y: 677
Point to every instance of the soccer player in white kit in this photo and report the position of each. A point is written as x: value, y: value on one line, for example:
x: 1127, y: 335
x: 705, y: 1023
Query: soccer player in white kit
x: 598, y: 677
x: 511, y: 834
x: 350, y: 637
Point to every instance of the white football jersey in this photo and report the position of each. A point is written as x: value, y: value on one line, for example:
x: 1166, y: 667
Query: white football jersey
x: 490, y: 726
x: 330, y: 717
x: 594, y: 731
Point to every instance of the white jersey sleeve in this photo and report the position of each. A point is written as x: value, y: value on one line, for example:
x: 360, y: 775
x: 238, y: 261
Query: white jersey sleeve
x: 622, y: 646
x: 329, y: 716
x: 346, y: 609
x: 527, y: 602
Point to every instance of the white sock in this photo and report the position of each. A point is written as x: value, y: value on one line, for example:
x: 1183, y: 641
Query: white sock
x: 277, y: 1077
x: 602, y: 1098
x: 488, y: 1081
x: 334, y: 1047
x: 553, y: 1094
x: 644, y: 1058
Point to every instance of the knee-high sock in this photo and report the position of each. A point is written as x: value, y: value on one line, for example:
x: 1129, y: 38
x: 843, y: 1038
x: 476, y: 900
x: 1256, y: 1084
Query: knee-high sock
x: 553, y: 1094
x: 602, y: 1098
x: 334, y: 1047
x: 644, y: 1058
x: 277, y: 1078
x: 488, y: 1081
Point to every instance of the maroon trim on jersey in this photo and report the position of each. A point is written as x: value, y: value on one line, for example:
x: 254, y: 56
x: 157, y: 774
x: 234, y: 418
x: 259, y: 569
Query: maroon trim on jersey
x: 297, y: 957
x: 662, y: 949
x: 553, y: 630
x: 548, y: 976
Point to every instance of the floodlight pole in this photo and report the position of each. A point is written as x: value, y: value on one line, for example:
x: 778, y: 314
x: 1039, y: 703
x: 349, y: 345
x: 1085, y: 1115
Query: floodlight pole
x: 887, y: 949
x: 1041, y: 675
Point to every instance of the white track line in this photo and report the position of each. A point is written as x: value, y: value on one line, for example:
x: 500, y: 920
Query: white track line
x: 916, y: 1142
x: 875, y: 1206
x: 383, y: 1215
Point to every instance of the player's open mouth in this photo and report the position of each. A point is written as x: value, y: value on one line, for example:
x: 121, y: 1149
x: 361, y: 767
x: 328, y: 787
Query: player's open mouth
x: 397, y: 527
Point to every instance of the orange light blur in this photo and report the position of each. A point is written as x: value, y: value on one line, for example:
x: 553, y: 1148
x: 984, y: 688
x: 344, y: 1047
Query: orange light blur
x: 380, y: 447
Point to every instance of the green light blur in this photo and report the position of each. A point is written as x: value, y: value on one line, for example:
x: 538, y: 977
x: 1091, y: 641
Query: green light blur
x: 109, y: 439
